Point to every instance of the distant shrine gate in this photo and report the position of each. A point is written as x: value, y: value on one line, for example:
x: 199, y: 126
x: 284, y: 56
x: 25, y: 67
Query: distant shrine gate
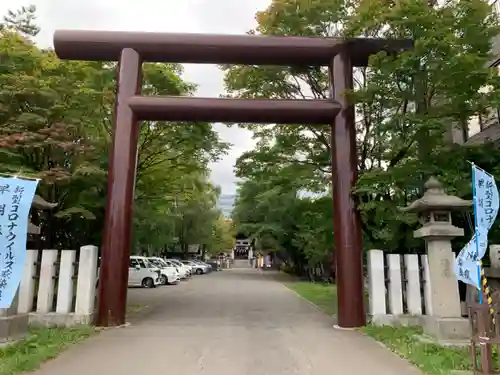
x: 130, y: 49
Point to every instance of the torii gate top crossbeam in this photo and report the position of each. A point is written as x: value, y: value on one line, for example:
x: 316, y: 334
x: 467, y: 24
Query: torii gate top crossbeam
x: 218, y: 49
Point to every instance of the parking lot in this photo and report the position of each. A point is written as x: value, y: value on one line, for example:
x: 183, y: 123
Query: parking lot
x: 233, y: 322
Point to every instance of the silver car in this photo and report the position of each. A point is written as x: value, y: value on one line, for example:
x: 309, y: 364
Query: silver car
x: 207, y: 267
x: 197, y: 268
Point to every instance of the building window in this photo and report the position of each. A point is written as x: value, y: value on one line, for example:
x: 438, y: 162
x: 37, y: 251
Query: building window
x: 480, y: 122
x: 473, y: 127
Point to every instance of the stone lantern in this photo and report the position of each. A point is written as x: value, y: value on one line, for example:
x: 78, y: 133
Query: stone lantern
x: 444, y: 316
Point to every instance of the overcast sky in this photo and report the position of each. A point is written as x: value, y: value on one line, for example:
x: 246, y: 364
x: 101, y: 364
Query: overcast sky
x: 195, y: 16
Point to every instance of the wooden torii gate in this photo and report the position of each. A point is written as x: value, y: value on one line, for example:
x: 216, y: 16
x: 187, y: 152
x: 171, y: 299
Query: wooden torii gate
x: 130, y: 49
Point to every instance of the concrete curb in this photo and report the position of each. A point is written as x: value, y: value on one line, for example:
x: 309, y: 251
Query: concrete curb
x: 101, y: 329
x: 335, y: 326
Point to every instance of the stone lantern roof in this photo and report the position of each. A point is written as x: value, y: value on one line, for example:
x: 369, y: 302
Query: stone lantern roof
x: 435, y: 198
x: 39, y: 204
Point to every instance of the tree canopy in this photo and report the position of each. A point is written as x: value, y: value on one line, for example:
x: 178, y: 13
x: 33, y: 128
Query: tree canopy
x: 407, y: 110
x: 55, y: 124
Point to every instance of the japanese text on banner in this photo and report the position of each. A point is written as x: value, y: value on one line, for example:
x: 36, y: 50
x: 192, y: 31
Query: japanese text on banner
x: 479, y: 249
x: 466, y: 265
x: 486, y: 199
x: 16, y: 196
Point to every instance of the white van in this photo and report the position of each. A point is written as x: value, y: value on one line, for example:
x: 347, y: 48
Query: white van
x: 142, y: 273
x: 169, y: 273
x: 184, y: 270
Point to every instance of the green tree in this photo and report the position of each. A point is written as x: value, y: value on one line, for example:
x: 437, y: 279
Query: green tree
x: 55, y: 119
x: 294, y: 226
x: 406, y: 108
x: 43, y: 131
x: 222, y: 239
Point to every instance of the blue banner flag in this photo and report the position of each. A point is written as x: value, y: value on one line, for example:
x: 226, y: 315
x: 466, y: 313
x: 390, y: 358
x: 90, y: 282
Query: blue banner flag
x: 481, y: 237
x: 486, y: 199
x: 467, y: 264
x: 16, y: 196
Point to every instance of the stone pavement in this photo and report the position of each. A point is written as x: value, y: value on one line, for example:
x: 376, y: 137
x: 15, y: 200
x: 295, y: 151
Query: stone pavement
x: 234, y: 322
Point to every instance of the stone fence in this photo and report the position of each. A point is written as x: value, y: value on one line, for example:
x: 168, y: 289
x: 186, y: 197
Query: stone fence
x: 58, y: 287
x: 399, y: 287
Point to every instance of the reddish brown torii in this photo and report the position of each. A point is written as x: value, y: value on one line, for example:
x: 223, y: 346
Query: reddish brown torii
x: 131, y: 49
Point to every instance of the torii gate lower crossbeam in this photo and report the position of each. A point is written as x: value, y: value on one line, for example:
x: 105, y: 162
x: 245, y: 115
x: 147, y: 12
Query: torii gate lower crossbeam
x: 130, y: 49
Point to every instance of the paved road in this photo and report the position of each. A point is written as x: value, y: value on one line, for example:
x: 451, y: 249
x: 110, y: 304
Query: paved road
x: 235, y: 322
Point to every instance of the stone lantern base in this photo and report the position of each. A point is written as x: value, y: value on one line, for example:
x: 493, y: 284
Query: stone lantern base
x: 13, y: 326
x: 447, y: 330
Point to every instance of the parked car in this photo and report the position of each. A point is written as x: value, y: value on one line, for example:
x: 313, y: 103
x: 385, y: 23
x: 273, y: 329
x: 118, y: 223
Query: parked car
x: 197, y: 268
x: 169, y: 273
x: 191, y: 265
x: 180, y: 271
x: 184, y: 270
x: 206, y: 267
x: 210, y: 268
x: 204, y: 263
x: 143, y: 273
x: 187, y: 264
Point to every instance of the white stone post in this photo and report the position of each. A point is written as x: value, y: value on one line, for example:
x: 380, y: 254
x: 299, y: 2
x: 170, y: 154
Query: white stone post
x: 376, y: 285
x: 65, y: 290
x: 86, y: 283
x: 395, y: 285
x: 413, y: 294
x: 46, y: 282
x: 27, y: 287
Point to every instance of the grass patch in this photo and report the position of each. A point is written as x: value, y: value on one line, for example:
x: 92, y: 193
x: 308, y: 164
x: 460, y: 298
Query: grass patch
x: 430, y: 358
x: 41, y: 345
x: 322, y: 295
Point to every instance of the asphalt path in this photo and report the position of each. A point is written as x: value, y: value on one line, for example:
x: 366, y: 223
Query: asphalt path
x: 234, y: 322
